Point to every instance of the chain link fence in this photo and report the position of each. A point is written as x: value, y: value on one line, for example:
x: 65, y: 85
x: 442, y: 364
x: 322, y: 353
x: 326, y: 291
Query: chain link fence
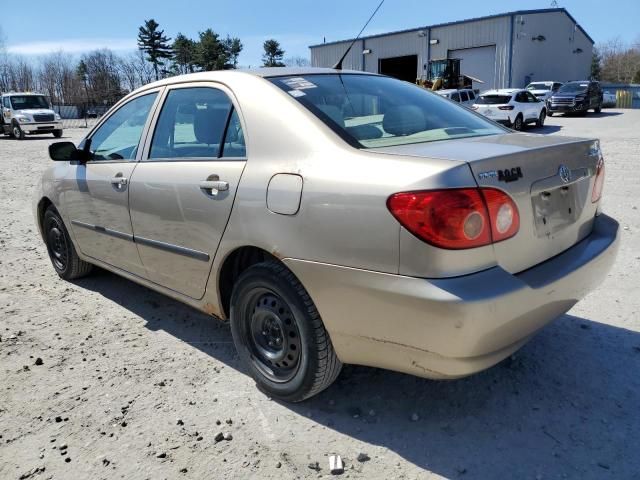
x: 80, y: 115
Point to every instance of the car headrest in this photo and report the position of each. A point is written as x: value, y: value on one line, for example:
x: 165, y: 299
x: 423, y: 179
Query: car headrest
x: 208, y: 124
x: 333, y: 112
x: 404, y: 120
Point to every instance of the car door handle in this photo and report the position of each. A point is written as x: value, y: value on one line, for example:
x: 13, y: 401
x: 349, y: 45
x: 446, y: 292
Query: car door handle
x: 120, y: 181
x: 214, y: 185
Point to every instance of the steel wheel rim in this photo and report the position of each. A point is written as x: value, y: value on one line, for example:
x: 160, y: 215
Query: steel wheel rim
x: 16, y: 131
x: 272, y: 335
x: 57, y: 245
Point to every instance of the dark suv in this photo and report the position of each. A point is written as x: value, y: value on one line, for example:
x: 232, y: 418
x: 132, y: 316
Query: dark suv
x: 576, y: 97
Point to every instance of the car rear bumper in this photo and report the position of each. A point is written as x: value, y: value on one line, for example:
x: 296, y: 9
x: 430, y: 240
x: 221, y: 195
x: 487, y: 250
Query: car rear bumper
x: 448, y: 328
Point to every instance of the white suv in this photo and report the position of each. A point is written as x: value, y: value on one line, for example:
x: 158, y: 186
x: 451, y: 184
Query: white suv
x: 466, y: 96
x: 543, y: 90
x: 28, y: 114
x: 511, y: 107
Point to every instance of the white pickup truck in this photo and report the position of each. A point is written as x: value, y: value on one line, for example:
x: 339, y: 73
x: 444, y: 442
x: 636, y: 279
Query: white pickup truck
x: 28, y: 114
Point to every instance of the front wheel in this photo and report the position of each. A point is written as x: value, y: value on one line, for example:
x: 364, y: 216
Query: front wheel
x: 57, y: 133
x: 17, y: 132
x: 279, y: 334
x: 598, y: 109
x: 62, y: 253
x: 541, y: 119
x: 550, y: 114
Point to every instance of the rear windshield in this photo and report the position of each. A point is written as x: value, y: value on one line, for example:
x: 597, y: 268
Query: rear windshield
x: 539, y: 86
x: 493, y: 99
x: 28, y: 101
x: 373, y: 111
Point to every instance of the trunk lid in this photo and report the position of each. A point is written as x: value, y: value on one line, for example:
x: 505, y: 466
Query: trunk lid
x: 549, y: 178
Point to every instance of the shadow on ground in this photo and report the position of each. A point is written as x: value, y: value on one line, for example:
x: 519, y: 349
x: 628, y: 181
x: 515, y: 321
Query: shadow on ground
x: 565, y: 406
x: 546, y: 129
x: 589, y: 114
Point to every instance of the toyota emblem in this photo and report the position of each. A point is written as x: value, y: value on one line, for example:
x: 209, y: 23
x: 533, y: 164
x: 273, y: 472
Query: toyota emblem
x: 565, y: 173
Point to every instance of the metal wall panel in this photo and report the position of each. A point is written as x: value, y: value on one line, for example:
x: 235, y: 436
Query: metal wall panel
x: 492, y: 31
x: 328, y: 55
x: 398, y: 45
x: 552, y: 58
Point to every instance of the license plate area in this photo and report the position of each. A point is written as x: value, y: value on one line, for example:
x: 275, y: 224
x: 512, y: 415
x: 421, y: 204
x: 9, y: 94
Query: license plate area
x: 555, y: 209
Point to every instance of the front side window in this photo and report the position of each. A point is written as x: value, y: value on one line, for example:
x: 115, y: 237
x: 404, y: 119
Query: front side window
x: 463, y: 96
x: 192, y: 124
x: 118, y: 137
x: 532, y: 98
x: 472, y: 96
x: 371, y: 111
x: 24, y: 102
x: 455, y: 97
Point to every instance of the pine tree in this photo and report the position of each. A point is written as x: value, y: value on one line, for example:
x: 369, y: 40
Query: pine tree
x: 596, y: 70
x: 155, y: 44
x: 233, y: 47
x: 273, y: 54
x: 210, y: 52
x: 184, y: 50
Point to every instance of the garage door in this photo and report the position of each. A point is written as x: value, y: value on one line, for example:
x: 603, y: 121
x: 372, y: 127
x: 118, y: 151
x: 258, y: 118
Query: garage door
x: 478, y: 63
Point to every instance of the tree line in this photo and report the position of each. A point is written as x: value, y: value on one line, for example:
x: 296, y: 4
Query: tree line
x: 616, y: 61
x: 101, y: 77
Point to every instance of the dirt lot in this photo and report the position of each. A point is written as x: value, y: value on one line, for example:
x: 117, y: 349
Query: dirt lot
x: 136, y: 386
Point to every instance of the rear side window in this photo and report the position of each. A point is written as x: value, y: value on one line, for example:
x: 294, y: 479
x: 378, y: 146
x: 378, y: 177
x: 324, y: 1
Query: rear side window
x: 472, y: 96
x: 234, y: 138
x: 463, y: 96
x: 493, y: 99
x: 455, y: 97
x: 191, y: 124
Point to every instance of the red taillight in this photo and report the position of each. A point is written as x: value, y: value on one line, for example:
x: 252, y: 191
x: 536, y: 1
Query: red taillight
x: 598, y: 183
x: 457, y: 218
x: 505, y: 107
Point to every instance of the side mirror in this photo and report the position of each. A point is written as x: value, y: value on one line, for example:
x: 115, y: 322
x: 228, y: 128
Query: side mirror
x: 67, y: 152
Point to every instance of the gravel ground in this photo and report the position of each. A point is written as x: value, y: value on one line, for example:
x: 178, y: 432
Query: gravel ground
x: 134, y: 385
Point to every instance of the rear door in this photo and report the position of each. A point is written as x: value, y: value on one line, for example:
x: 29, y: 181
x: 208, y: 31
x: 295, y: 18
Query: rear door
x: 96, y: 193
x: 184, y: 186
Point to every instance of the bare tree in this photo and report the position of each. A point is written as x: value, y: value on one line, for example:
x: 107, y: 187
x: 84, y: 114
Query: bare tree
x: 297, y: 61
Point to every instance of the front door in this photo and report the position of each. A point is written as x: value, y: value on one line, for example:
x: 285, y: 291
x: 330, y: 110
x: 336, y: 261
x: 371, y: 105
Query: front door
x: 96, y: 193
x: 183, y: 189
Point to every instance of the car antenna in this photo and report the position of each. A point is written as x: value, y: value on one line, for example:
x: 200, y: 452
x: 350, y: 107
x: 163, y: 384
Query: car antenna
x: 338, y: 65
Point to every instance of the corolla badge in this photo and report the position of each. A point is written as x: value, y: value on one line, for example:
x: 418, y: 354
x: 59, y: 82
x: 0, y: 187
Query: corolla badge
x: 565, y: 173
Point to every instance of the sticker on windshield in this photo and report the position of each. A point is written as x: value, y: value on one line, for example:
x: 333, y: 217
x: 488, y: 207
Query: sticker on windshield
x: 296, y: 93
x: 298, y: 83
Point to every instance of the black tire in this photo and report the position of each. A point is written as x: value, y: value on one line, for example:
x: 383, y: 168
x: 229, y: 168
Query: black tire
x: 57, y: 133
x: 17, y: 132
x: 518, y: 123
x: 279, y: 334
x: 598, y: 109
x: 541, y: 118
x: 62, y: 253
x: 549, y: 114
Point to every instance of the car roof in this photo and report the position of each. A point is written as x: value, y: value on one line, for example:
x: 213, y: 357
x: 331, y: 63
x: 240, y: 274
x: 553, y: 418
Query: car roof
x: 544, y: 81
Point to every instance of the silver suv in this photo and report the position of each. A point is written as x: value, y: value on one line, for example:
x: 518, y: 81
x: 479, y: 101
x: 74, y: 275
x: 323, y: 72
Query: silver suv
x: 28, y: 114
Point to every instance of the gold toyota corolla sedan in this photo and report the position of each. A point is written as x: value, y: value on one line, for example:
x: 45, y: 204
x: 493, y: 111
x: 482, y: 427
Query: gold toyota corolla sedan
x: 333, y: 217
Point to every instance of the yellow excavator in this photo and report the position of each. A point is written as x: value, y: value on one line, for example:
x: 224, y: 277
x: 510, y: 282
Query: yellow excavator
x: 445, y: 74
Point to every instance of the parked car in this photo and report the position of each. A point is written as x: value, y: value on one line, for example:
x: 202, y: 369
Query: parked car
x: 332, y: 217
x: 466, y: 97
x: 543, y: 90
x: 608, y: 99
x: 26, y: 113
x: 576, y: 97
x: 512, y: 107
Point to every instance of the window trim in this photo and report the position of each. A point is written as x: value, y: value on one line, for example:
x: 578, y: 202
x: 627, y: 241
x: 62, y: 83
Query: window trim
x: 146, y: 150
x: 126, y: 100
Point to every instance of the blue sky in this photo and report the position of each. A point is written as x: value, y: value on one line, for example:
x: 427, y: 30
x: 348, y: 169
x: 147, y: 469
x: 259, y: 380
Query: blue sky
x: 43, y: 26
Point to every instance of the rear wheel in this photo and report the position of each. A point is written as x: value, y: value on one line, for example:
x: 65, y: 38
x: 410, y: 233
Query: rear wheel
x: 517, y: 124
x: 598, y: 109
x: 57, y: 133
x: 279, y: 334
x: 550, y: 114
x: 541, y: 118
x: 61, y: 251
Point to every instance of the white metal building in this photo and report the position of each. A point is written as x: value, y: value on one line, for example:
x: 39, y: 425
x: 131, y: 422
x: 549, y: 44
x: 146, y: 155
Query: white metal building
x: 506, y: 50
